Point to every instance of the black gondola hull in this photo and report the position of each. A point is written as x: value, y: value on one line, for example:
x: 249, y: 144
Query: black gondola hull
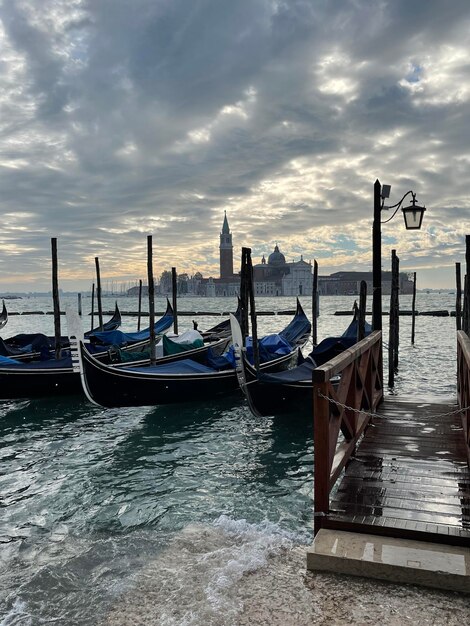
x: 119, y: 387
x: 267, y: 399
x: 17, y: 384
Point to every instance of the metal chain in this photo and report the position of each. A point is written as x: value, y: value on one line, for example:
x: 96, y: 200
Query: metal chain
x: 350, y: 408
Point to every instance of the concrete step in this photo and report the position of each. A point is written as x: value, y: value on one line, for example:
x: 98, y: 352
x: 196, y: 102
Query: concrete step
x: 389, y: 558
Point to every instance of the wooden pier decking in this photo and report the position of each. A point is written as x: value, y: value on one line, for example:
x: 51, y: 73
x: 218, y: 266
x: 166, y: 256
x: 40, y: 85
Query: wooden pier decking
x: 406, y: 464
x: 392, y: 491
x: 409, y: 477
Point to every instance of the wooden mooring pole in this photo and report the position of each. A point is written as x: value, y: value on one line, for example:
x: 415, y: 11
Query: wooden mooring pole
x: 413, y: 310
x: 79, y: 304
x: 55, y: 297
x: 92, y: 305
x: 174, y: 291
x: 458, y: 297
x: 98, y: 293
x: 153, y: 355
x: 315, y: 303
x: 244, y: 295
x: 361, y: 318
x: 139, y: 312
x: 466, y: 296
x: 393, y: 328
x: 251, y: 295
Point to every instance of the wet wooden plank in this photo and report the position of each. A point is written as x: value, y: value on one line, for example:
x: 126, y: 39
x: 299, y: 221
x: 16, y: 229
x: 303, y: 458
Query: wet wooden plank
x: 409, y: 477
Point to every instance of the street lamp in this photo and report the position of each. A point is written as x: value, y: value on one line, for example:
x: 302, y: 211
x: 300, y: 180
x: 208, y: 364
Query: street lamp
x: 413, y: 216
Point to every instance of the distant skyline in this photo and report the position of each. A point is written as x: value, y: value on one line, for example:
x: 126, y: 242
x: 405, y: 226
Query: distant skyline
x: 122, y: 119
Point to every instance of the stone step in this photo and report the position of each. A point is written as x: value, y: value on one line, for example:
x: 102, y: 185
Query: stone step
x: 392, y: 559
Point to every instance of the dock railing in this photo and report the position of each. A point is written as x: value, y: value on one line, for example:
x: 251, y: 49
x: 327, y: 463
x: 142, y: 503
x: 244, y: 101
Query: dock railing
x: 343, y: 405
x: 463, y: 384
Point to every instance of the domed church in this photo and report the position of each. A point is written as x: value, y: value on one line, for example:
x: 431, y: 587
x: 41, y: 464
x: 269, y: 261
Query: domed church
x: 276, y: 277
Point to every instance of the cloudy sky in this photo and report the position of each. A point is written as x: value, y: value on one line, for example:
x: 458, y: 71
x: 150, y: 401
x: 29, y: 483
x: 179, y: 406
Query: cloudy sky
x: 120, y: 119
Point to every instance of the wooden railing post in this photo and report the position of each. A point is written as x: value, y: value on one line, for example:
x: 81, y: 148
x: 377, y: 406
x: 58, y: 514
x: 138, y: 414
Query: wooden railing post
x: 463, y: 384
x: 321, y: 438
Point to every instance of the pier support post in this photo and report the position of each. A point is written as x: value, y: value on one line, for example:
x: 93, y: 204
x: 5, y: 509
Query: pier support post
x: 321, y: 437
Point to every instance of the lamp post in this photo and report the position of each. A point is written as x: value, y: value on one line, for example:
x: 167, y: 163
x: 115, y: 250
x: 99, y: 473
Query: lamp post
x: 413, y: 216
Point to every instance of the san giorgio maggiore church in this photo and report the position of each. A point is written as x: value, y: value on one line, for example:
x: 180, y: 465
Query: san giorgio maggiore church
x: 272, y: 277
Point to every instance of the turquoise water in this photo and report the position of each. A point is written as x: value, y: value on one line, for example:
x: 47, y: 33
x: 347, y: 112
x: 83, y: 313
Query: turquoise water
x: 90, y: 498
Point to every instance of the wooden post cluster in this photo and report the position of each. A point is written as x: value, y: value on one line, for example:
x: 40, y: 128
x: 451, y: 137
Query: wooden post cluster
x: 315, y: 304
x: 393, y: 340
x: 55, y: 297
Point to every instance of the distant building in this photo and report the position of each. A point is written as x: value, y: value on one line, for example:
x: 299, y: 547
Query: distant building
x: 349, y: 283
x: 226, y: 251
x: 273, y: 277
x: 276, y: 277
x: 229, y: 283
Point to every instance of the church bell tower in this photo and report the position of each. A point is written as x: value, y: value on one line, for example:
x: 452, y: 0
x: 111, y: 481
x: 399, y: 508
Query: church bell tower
x: 226, y: 250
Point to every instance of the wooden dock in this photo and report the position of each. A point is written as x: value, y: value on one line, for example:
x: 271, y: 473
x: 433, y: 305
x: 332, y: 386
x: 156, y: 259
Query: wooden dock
x: 409, y: 477
x: 392, y: 476
x: 403, y: 467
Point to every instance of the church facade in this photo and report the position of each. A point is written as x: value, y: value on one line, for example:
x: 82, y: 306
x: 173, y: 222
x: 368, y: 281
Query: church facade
x: 274, y: 277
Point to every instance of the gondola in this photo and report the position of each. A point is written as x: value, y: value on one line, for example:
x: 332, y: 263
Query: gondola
x: 3, y: 316
x: 119, y: 338
x: 27, y: 376
x: 31, y: 346
x: 183, y: 381
x: 287, y: 391
x: 111, y: 324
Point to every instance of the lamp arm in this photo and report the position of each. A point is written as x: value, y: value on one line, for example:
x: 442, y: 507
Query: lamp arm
x: 397, y: 206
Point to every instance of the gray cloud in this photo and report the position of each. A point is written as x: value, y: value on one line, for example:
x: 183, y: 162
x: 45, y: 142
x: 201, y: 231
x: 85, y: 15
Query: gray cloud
x: 118, y: 119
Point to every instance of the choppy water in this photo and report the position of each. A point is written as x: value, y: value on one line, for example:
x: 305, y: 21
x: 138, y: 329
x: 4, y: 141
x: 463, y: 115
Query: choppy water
x: 92, y: 499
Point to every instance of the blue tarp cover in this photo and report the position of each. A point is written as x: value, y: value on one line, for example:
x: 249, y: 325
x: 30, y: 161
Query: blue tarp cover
x: 119, y: 338
x: 4, y: 360
x: 298, y: 327
x: 300, y: 373
x: 351, y: 330
x: 185, y: 366
x: 270, y: 347
x: 41, y: 365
